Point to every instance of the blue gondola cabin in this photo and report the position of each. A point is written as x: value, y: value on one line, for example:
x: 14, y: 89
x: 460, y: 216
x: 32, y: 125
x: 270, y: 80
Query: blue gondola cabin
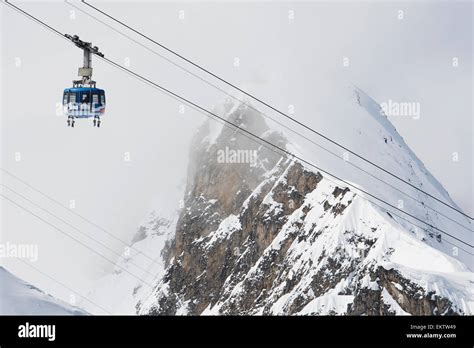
x: 84, y: 102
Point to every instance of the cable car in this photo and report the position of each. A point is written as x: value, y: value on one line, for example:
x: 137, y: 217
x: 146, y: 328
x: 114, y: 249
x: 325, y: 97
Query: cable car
x: 84, y: 100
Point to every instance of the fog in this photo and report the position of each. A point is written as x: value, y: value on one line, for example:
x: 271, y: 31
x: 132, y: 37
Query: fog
x: 285, y: 53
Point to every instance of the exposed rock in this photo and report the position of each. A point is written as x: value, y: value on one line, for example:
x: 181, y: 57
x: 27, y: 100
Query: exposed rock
x: 410, y: 297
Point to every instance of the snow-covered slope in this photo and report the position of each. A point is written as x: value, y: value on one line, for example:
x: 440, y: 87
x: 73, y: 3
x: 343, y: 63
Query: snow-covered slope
x: 367, y: 131
x: 17, y: 297
x: 139, y: 267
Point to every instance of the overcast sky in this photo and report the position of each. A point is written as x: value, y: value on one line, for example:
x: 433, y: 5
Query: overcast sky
x: 282, y: 59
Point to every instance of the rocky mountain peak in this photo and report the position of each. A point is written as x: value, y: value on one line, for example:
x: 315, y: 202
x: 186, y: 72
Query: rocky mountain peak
x: 260, y: 233
x: 264, y: 234
x: 225, y: 167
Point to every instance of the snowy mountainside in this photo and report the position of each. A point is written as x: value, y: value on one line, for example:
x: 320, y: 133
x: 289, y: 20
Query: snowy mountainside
x: 367, y: 131
x: 119, y: 291
x: 271, y: 235
x: 18, y: 297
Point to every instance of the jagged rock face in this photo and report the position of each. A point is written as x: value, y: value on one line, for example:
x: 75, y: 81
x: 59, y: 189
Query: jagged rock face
x: 217, y: 187
x: 270, y: 236
x: 218, y: 181
x: 411, y: 298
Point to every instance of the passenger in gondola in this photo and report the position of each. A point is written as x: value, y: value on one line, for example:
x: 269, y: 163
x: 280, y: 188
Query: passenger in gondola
x: 85, y: 104
x: 85, y: 99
